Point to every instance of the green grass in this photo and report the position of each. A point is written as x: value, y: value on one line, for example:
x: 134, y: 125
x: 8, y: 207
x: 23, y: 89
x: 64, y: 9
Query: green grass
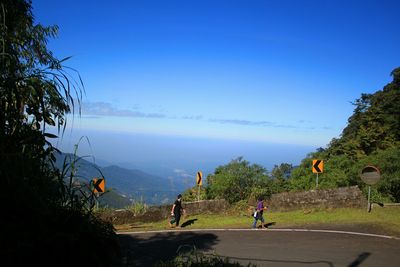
x: 380, y: 220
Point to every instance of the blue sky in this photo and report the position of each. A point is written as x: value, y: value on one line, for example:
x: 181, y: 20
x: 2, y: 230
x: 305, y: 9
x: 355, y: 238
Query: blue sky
x: 265, y: 72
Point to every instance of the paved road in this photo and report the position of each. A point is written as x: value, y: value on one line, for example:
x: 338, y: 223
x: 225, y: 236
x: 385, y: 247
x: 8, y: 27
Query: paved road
x: 268, y: 248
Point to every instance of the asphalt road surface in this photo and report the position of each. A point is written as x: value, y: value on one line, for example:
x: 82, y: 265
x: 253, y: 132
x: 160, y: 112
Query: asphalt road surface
x: 267, y: 247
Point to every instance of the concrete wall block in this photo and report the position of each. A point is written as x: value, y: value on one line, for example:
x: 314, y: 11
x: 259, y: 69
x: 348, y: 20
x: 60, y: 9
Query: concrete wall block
x: 332, y: 198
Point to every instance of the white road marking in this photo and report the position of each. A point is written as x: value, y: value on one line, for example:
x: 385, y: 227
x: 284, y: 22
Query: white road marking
x: 266, y: 230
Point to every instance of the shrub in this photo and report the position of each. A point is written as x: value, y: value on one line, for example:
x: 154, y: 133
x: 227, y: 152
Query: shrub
x: 195, y: 258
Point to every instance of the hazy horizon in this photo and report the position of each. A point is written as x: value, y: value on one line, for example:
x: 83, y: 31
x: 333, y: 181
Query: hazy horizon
x: 146, y: 152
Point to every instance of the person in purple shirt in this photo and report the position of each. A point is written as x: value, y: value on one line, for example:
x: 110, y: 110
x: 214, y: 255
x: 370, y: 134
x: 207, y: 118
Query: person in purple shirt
x: 258, y: 215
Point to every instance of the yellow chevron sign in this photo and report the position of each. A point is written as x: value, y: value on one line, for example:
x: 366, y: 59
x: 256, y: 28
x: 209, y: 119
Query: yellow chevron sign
x: 199, y: 178
x: 317, y: 166
x: 98, y: 185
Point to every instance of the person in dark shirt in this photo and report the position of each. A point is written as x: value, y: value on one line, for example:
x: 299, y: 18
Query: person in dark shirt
x: 177, y: 209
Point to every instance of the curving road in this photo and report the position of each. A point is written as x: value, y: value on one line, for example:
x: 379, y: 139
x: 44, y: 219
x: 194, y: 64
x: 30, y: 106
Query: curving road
x: 277, y: 247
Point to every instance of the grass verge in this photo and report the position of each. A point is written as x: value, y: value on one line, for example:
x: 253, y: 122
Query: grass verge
x: 380, y: 221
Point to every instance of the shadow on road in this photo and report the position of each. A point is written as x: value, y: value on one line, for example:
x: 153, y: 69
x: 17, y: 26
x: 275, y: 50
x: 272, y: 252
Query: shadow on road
x: 188, y: 223
x: 285, y: 262
x: 269, y: 224
x: 146, y: 250
x: 360, y: 259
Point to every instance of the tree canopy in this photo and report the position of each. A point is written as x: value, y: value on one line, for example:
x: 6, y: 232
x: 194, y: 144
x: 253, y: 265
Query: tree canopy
x: 371, y: 137
x: 238, y: 180
x: 45, y: 220
x: 36, y: 90
x: 374, y: 124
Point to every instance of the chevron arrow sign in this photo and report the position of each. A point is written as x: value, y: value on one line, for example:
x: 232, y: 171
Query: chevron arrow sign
x: 317, y: 166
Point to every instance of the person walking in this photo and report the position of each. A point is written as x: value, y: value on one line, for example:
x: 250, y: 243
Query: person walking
x: 177, y: 209
x: 258, y: 215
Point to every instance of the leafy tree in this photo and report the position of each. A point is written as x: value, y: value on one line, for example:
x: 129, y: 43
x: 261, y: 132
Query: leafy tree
x: 372, y: 136
x: 388, y: 162
x: 190, y: 194
x: 280, y: 175
x: 301, y: 177
x: 236, y: 180
x: 374, y: 124
x: 37, y: 91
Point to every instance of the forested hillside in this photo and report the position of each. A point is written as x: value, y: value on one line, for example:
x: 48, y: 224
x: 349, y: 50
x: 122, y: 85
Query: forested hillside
x: 371, y: 137
x: 374, y: 125
x: 128, y: 185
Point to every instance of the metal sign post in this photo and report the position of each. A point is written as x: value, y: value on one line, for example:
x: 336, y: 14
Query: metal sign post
x: 317, y: 167
x: 369, y: 199
x: 97, y: 201
x: 198, y: 193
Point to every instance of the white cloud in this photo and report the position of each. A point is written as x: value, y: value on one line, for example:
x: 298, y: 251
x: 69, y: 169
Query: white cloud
x: 106, y: 109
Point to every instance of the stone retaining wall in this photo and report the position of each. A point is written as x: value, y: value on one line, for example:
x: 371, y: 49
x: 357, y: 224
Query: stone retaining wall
x: 157, y: 213
x: 343, y: 197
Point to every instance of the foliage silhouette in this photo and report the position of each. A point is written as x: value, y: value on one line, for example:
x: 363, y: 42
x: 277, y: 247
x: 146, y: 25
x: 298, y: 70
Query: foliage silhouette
x: 47, y: 221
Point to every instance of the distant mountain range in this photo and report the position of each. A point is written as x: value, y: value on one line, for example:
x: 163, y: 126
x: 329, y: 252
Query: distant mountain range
x: 126, y: 185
